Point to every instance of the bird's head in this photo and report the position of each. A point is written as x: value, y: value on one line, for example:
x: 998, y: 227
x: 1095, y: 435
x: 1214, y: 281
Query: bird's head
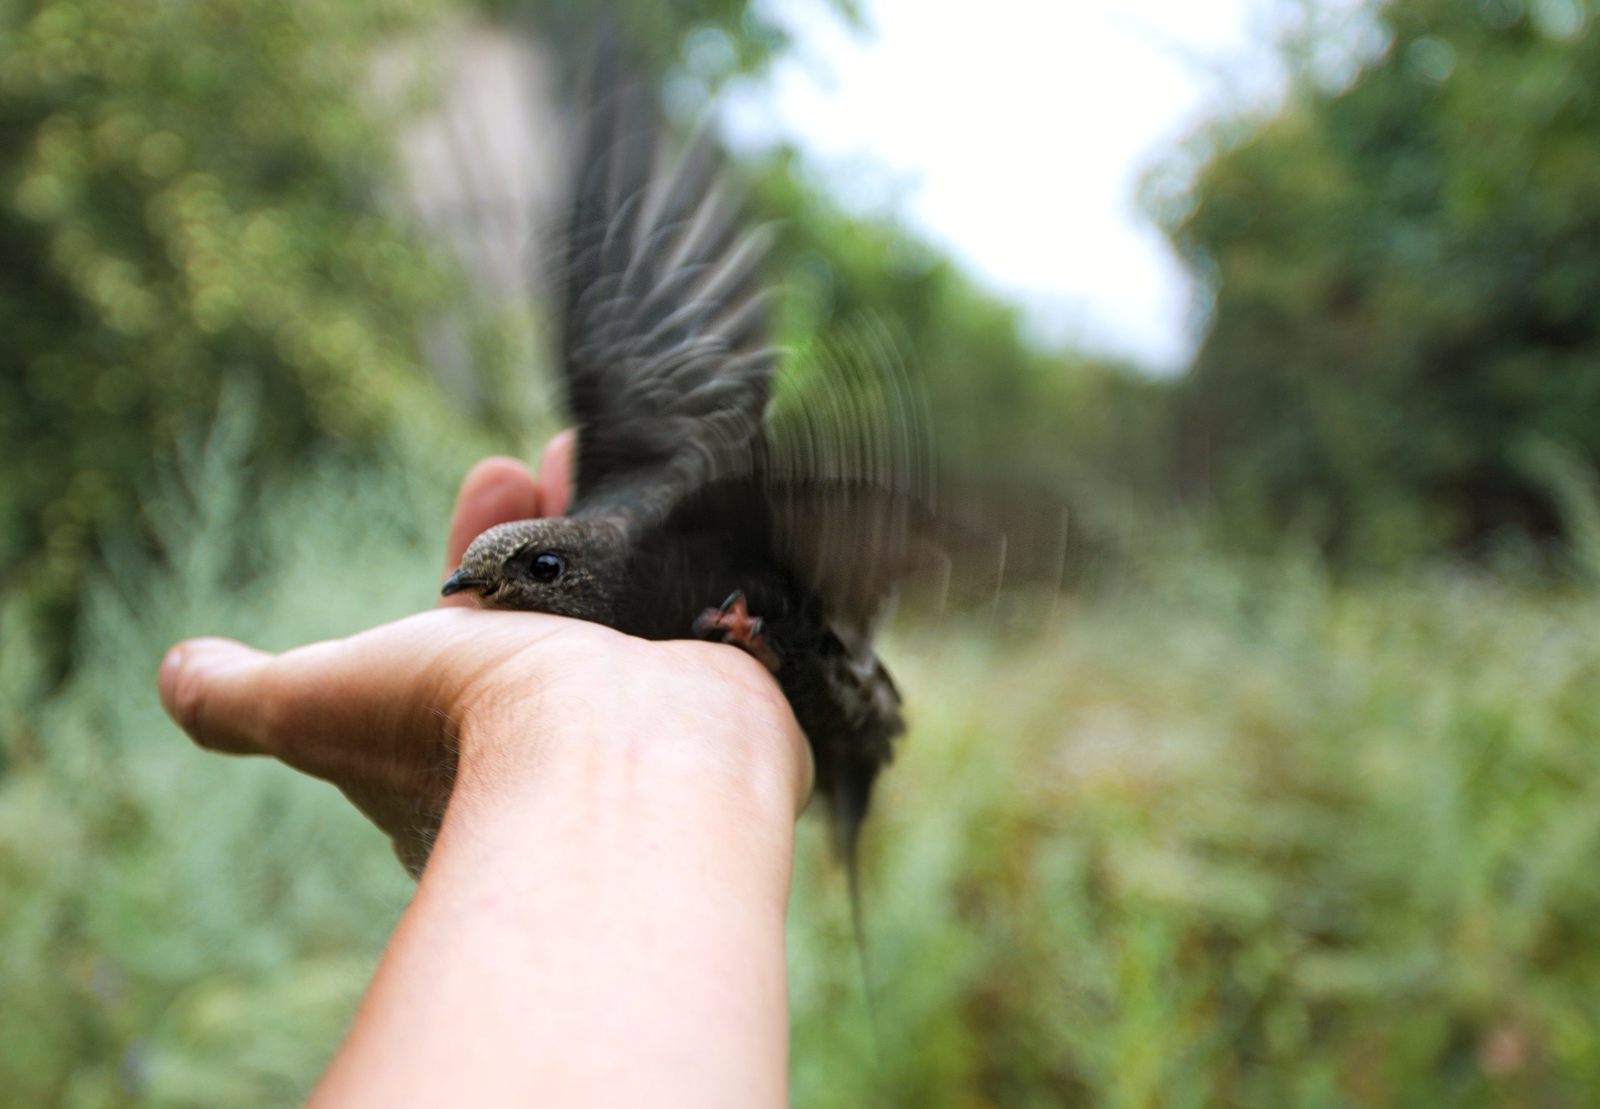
x: 569, y: 567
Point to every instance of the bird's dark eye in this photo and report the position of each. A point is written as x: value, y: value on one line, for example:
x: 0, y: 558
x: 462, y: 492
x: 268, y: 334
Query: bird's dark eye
x: 546, y: 566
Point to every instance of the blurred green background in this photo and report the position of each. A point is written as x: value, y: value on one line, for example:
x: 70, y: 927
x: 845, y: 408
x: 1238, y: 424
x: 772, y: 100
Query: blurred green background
x: 1298, y: 802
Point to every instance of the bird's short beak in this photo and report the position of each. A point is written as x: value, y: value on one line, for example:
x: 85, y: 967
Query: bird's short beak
x: 460, y: 582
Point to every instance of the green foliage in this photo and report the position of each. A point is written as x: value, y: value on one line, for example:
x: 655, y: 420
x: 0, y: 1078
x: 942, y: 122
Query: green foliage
x: 189, y: 194
x: 182, y: 929
x: 1404, y: 279
x: 1232, y: 834
x: 1250, y: 838
x: 706, y: 41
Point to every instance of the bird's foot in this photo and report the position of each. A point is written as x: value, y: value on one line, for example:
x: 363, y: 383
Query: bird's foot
x: 732, y: 623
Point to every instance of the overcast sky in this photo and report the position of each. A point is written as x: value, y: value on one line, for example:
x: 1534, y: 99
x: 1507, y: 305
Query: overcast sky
x: 1016, y: 134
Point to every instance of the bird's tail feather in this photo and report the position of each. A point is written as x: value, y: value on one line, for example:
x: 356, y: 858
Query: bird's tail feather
x: 848, y: 808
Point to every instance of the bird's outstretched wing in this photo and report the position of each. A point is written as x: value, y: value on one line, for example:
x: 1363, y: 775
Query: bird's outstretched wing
x: 665, y: 347
x: 862, y: 505
x: 850, y: 476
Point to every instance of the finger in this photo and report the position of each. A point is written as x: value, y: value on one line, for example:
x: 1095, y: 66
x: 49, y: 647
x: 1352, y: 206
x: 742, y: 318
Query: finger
x: 555, y: 472
x: 202, y: 685
x: 377, y: 712
x: 495, y: 491
x: 322, y: 708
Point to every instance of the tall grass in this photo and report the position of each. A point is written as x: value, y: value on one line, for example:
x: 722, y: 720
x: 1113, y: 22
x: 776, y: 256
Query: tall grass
x: 1225, y: 834
x: 1239, y: 835
x: 179, y: 927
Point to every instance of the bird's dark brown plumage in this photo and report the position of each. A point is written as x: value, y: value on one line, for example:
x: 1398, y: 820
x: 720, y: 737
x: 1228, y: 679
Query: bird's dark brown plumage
x: 689, y: 485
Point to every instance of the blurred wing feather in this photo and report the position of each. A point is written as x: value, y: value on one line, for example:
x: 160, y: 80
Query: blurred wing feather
x: 851, y: 478
x: 861, y: 506
x: 666, y: 359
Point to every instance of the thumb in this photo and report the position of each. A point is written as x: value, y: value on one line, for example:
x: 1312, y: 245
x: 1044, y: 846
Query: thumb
x: 213, y: 690
x: 333, y: 707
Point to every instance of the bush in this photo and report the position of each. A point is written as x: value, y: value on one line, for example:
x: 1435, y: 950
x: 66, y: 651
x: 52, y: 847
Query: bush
x: 1402, y: 278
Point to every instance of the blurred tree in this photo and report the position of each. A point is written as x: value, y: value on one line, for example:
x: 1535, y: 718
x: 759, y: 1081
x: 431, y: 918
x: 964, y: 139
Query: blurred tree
x: 1404, y: 273
x: 706, y: 40
x: 188, y: 193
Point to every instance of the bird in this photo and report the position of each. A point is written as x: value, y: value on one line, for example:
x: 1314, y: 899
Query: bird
x: 705, y: 506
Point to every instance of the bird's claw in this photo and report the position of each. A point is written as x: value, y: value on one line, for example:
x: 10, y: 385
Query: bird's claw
x: 732, y: 623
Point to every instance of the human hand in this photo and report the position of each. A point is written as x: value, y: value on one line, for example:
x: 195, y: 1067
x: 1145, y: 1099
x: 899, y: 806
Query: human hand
x: 397, y: 715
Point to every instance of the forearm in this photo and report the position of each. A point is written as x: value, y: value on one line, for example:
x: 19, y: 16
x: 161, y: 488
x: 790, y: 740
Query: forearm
x: 601, y: 923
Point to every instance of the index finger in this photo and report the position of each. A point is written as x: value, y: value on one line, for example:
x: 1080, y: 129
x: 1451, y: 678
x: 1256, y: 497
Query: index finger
x: 555, y: 472
x: 495, y: 491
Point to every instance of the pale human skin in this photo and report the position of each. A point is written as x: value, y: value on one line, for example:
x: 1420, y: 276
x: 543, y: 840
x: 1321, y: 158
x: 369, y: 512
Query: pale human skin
x: 601, y: 919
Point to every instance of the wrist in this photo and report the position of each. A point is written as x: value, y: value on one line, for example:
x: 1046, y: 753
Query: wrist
x: 655, y: 720
x: 708, y: 769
